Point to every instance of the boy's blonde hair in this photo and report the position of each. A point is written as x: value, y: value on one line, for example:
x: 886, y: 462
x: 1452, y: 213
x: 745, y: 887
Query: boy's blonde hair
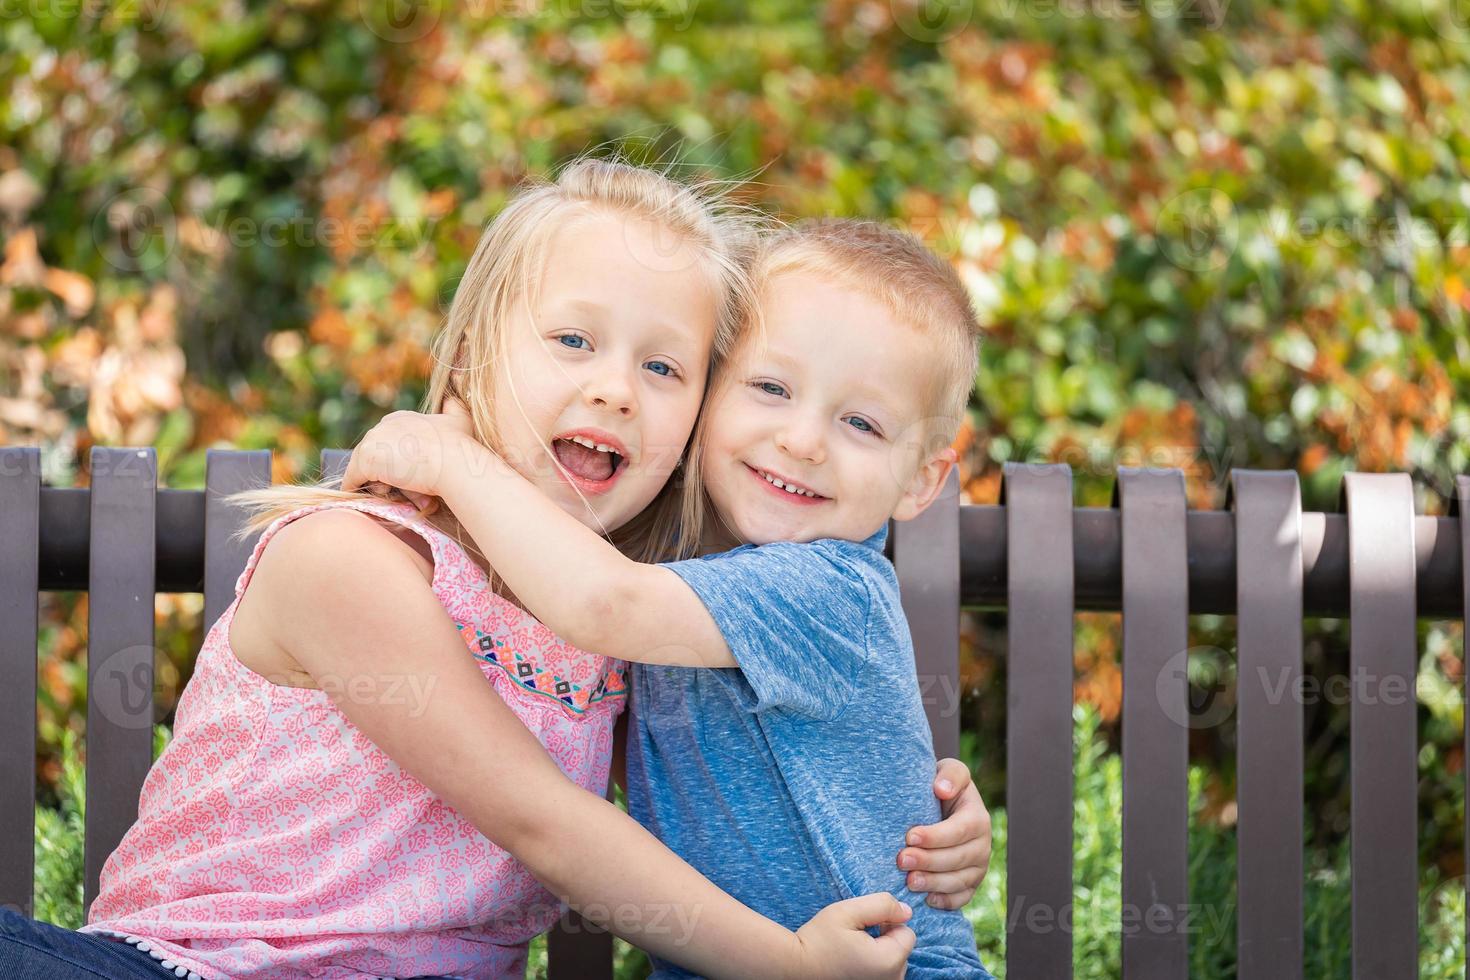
x: 505, y: 269
x: 895, y: 268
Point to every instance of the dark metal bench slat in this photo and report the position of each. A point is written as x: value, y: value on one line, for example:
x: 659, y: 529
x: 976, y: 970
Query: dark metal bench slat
x: 20, y: 516
x: 119, y: 741
x: 1384, y: 725
x: 227, y: 472
x: 1040, y: 624
x: 926, y: 556
x: 1155, y: 724
x: 1459, y: 510
x: 1268, y: 533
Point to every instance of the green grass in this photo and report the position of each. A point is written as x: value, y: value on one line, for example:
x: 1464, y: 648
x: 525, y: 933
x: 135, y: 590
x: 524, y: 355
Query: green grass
x: 1098, y: 803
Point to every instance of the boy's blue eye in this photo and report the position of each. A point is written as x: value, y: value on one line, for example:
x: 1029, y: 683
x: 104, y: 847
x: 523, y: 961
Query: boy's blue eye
x: 575, y: 337
x: 668, y: 370
x: 771, y: 388
x: 861, y: 425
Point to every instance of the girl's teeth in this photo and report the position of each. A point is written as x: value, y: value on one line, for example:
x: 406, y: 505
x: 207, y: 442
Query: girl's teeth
x: 584, y: 441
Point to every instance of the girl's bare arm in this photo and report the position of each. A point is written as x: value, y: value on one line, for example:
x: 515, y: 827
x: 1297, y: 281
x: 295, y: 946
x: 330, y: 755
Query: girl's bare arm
x: 344, y: 597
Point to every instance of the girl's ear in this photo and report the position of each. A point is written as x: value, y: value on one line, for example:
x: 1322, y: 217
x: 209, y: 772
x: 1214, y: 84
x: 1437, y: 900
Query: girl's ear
x: 926, y: 485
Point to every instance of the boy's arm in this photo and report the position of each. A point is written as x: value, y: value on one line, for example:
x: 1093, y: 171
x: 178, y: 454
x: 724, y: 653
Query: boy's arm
x: 345, y: 599
x: 567, y: 575
x: 570, y: 577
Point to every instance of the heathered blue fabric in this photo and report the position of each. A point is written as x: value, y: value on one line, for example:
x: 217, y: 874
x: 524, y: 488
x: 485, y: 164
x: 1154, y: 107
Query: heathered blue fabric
x: 792, y: 780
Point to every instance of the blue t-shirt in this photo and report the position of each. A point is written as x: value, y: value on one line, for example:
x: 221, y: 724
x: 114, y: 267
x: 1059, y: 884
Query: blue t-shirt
x: 792, y: 780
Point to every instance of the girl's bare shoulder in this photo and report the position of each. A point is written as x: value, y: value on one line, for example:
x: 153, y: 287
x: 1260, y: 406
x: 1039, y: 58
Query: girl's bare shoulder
x: 313, y: 555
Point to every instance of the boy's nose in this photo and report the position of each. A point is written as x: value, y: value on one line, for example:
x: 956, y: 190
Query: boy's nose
x: 802, y: 442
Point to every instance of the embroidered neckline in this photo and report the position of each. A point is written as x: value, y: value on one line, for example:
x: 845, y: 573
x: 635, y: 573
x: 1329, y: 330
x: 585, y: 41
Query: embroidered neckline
x: 525, y: 672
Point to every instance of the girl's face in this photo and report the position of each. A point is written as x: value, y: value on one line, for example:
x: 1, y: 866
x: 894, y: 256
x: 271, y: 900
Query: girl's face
x: 608, y: 368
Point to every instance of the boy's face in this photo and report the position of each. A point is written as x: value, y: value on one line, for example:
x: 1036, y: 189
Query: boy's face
x: 833, y: 402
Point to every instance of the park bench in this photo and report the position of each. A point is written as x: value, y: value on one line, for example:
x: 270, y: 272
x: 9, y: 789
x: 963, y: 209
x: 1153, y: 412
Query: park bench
x: 1034, y: 554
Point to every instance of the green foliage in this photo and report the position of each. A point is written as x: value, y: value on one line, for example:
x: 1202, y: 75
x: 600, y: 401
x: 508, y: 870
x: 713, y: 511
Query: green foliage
x: 60, y: 833
x: 59, y: 836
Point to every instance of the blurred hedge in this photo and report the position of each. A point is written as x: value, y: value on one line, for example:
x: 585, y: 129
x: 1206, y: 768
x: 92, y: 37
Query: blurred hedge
x: 1201, y: 233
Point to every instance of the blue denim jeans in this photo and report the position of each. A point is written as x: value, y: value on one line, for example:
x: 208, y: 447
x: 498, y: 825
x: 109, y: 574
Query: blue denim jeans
x: 41, y: 951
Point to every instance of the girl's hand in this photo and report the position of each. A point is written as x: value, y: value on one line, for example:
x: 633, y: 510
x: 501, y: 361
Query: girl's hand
x: 834, y: 942
x: 949, y: 859
x: 406, y: 453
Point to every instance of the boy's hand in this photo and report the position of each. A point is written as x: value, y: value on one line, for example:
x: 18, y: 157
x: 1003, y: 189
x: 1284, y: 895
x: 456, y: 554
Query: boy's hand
x: 949, y: 859
x: 407, y: 452
x: 834, y: 942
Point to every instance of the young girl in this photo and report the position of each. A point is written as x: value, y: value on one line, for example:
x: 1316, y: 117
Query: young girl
x: 276, y: 838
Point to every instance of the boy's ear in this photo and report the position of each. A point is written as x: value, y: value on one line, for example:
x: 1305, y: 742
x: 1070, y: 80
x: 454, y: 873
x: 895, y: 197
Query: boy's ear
x: 926, y: 485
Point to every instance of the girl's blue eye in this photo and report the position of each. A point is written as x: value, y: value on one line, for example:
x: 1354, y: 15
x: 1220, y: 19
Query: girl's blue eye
x: 571, y: 336
x: 862, y: 425
x: 771, y: 388
x: 669, y: 371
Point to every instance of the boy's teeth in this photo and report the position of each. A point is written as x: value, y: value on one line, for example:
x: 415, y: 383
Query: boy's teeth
x: 784, y: 486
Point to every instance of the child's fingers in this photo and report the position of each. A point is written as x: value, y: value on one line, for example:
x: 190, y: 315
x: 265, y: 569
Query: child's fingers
x: 951, y: 776
x: 961, y: 879
x: 966, y: 820
x: 970, y: 854
x: 877, y: 909
x: 352, y: 475
x: 898, y: 942
x: 950, y: 901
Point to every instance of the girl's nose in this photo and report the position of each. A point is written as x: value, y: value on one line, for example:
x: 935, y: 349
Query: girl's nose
x: 612, y: 392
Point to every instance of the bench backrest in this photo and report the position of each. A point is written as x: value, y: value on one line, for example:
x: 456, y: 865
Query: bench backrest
x: 1035, y: 554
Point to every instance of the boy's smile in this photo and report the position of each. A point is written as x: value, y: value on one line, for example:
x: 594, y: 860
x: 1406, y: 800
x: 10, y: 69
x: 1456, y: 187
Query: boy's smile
x: 815, y: 429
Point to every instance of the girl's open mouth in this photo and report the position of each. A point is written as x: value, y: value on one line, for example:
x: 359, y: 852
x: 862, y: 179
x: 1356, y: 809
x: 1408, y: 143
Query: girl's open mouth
x: 589, y: 469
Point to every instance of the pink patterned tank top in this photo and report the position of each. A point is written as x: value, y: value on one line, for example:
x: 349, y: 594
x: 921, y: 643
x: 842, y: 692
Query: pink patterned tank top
x: 275, y: 840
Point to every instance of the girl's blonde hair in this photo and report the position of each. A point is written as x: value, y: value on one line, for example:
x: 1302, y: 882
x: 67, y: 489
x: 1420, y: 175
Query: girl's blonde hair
x: 506, y: 269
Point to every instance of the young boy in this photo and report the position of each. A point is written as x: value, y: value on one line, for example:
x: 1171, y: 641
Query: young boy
x: 785, y: 769
x: 831, y: 418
